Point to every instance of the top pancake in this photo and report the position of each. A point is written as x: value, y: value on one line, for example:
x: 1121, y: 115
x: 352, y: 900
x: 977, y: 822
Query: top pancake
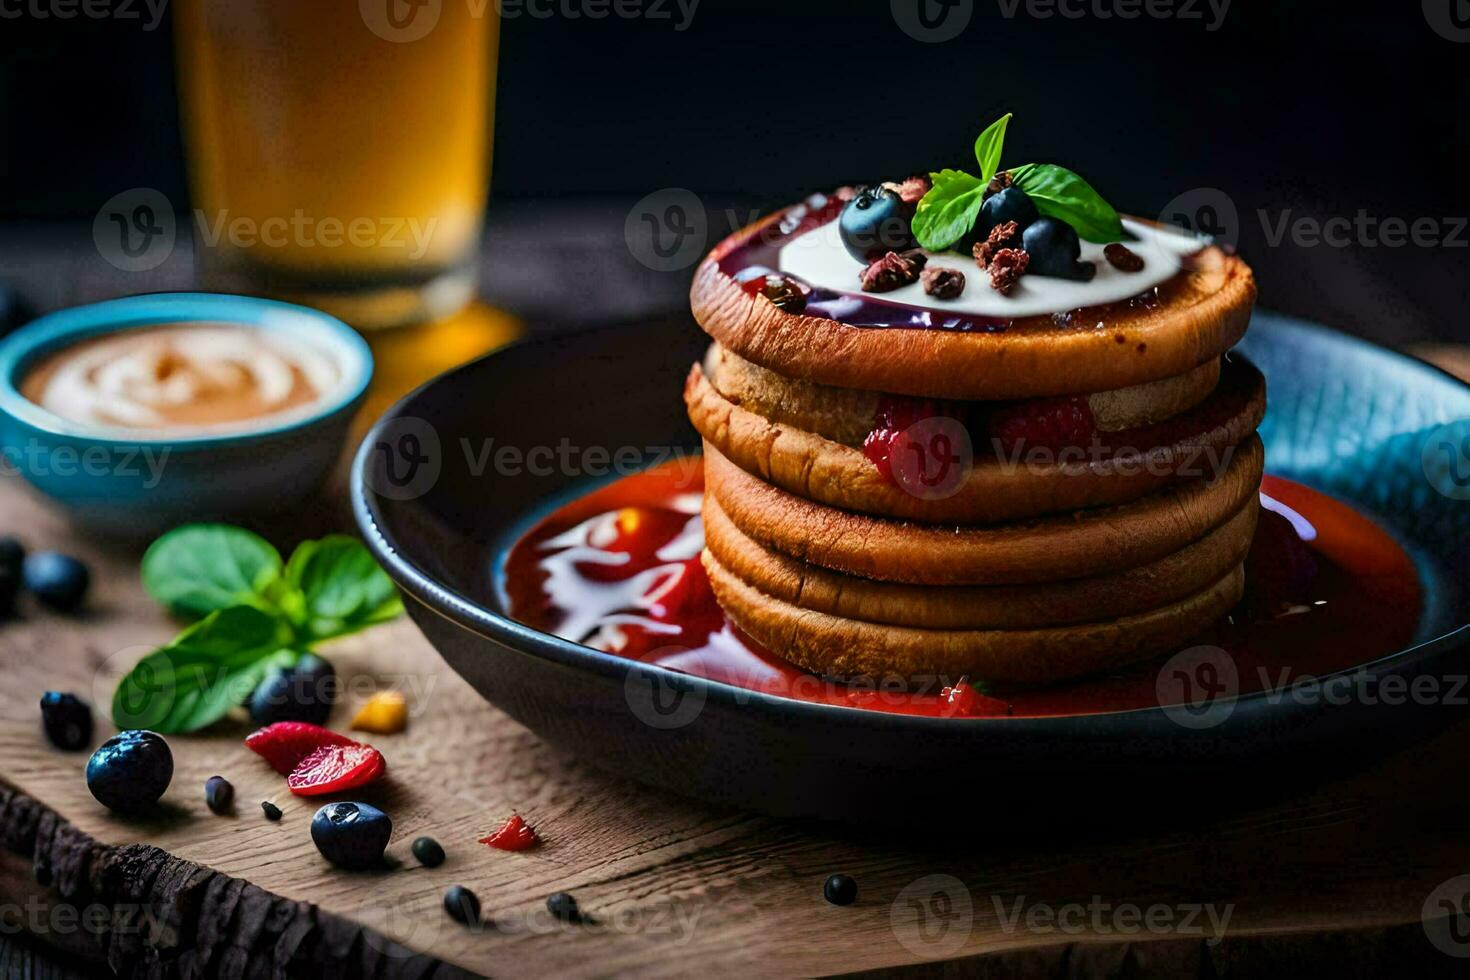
x: 1199, y: 314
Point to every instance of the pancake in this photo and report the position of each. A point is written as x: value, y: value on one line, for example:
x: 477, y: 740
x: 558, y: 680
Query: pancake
x: 1197, y: 316
x: 840, y: 647
x: 1045, y: 549
x: 995, y: 607
x: 994, y: 489
x: 846, y: 415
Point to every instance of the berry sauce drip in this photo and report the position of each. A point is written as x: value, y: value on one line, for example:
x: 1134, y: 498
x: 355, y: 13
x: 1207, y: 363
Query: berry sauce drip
x: 618, y: 570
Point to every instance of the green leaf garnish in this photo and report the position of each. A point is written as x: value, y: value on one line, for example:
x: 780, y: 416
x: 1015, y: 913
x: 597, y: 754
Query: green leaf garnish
x: 988, y: 147
x: 948, y: 211
x: 259, y: 614
x: 343, y: 589
x: 197, y: 569
x: 1062, y: 194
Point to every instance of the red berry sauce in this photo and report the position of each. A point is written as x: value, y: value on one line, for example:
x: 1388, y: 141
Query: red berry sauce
x: 618, y: 570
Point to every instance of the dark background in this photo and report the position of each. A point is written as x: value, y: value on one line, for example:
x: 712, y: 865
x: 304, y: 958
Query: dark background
x: 1308, y: 109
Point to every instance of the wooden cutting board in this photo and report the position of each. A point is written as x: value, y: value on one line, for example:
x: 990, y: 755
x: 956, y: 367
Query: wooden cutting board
x: 1336, y: 878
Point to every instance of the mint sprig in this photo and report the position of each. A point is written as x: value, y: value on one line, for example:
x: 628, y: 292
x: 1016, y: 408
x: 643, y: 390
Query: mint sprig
x: 948, y: 212
x: 255, y: 614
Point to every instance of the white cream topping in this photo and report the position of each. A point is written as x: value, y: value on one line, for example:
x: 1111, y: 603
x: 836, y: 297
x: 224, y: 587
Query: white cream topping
x: 819, y: 259
x: 142, y: 379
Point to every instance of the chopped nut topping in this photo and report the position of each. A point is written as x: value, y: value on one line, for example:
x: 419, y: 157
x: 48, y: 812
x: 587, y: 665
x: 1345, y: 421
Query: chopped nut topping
x: 943, y: 283
x: 1123, y: 258
x: 1006, y: 268
x: 1002, y: 236
x: 892, y: 271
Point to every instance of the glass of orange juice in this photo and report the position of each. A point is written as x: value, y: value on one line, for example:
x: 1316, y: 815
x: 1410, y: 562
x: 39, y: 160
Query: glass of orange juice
x: 339, y: 152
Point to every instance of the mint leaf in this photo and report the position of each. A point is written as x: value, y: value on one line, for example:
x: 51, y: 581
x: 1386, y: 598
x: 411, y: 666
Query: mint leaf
x: 988, y: 146
x: 342, y: 589
x: 948, y: 212
x: 1062, y: 194
x: 197, y: 569
x: 208, y: 669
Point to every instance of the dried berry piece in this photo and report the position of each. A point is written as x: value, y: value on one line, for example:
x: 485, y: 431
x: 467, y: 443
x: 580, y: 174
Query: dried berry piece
x: 892, y: 271
x: 910, y: 191
x: 998, y: 183
x: 515, y: 835
x: 1006, y: 269
x: 1123, y: 258
x: 783, y: 293
x: 271, y: 811
x: 1003, y: 235
x: 943, y: 283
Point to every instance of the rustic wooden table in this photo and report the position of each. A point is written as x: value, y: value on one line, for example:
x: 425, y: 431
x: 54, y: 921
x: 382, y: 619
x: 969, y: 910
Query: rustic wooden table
x: 1338, y: 878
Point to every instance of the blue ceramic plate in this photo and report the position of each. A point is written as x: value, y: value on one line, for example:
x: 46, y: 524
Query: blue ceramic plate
x: 446, y: 479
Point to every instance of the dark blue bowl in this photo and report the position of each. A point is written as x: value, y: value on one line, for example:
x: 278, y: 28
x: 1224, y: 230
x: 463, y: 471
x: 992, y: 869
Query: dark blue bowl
x: 446, y: 479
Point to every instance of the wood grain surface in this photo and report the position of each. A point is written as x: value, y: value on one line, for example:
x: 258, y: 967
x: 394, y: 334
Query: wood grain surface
x: 1336, y: 877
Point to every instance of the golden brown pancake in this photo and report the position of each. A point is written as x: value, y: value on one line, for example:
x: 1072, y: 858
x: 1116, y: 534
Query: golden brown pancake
x: 846, y: 415
x: 840, y: 647
x: 994, y: 489
x: 993, y: 607
x: 1047, y: 549
x: 1198, y: 315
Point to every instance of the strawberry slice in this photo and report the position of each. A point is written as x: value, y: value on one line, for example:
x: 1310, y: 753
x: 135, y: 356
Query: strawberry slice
x: 286, y: 743
x: 516, y: 835
x: 336, y: 768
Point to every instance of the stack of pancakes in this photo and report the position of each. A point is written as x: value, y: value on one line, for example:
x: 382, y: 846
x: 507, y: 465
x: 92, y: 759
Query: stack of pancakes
x: 1033, y: 565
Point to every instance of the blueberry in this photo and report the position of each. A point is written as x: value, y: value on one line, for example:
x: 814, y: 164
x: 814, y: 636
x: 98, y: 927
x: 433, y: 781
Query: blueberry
x: 351, y: 835
x: 66, y: 720
x: 564, y: 907
x: 304, y: 692
x: 130, y: 771
x: 874, y: 222
x: 1054, y: 250
x: 428, y: 852
x: 271, y: 811
x: 219, y: 794
x: 1010, y: 204
x: 840, y: 890
x: 59, y: 581
x: 462, y: 905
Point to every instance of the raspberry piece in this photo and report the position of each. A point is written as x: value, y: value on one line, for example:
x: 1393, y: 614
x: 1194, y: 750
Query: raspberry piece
x: 515, y: 835
x: 911, y: 191
x: 943, y: 283
x: 1006, y: 269
x: 895, y: 414
x: 1048, y: 423
x: 893, y: 271
x: 336, y: 768
x: 286, y: 743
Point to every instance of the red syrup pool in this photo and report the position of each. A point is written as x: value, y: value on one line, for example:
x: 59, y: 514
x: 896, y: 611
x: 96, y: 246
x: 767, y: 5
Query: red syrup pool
x: 618, y: 569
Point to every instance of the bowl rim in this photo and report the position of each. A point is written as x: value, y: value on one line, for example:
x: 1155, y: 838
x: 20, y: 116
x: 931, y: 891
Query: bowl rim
x: 54, y: 330
x: 528, y: 641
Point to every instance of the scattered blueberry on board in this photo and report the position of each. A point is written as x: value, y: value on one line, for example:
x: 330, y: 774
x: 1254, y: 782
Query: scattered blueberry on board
x: 462, y: 905
x: 351, y: 835
x: 271, y: 811
x: 130, y: 771
x: 67, y: 721
x: 428, y: 852
x: 564, y: 907
x: 840, y: 890
x: 301, y: 693
x: 57, y: 580
x: 219, y: 794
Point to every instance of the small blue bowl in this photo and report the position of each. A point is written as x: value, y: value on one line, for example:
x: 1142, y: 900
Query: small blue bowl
x: 117, y: 481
